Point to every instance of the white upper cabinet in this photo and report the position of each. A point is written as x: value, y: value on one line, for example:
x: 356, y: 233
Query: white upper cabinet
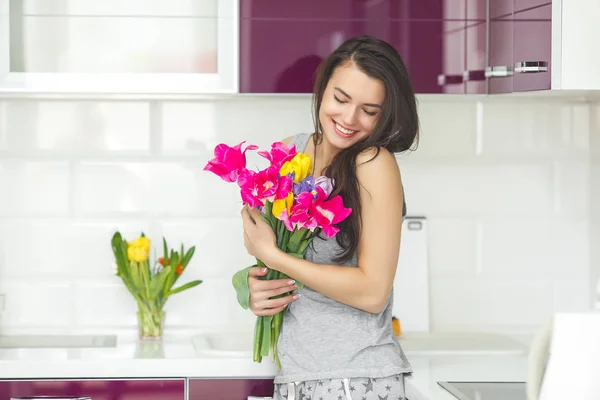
x: 576, y: 44
x: 119, y: 46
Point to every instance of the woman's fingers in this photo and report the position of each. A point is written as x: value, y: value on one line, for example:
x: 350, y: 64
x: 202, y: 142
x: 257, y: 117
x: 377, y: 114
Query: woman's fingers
x: 272, y: 306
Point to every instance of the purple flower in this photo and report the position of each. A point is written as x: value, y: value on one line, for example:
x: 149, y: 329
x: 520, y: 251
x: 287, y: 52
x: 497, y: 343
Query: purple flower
x: 307, y: 185
x: 325, y: 183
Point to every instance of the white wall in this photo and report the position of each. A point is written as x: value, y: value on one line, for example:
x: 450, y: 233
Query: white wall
x: 595, y: 201
x: 504, y: 182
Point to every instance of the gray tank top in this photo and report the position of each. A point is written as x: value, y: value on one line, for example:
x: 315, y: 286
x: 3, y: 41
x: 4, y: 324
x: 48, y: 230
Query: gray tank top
x: 322, y: 338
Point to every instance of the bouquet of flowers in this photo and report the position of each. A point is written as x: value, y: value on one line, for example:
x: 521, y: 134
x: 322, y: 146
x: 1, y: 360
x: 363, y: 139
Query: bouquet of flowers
x: 292, y: 201
x: 151, y: 286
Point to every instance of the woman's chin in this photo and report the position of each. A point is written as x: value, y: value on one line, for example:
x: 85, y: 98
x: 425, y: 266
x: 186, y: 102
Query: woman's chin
x: 339, y: 141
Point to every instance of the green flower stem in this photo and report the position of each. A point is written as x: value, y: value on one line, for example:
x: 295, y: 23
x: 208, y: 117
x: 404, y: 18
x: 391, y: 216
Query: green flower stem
x: 150, y: 320
x: 267, y: 329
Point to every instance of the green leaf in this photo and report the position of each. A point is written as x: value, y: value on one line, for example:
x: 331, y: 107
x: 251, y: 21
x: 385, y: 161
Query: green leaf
x: 270, y: 217
x: 240, y: 283
x: 132, y: 289
x: 185, y: 287
x: 136, y: 279
x: 120, y: 258
x: 170, y: 279
x: 299, y: 241
x: 280, y: 235
x: 188, y: 256
x: 125, y: 267
x: 145, y: 275
x: 165, y: 251
x: 174, y: 260
x: 157, y: 285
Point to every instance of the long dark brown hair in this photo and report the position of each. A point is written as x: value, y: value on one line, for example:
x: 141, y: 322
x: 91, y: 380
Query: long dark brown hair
x: 396, y: 128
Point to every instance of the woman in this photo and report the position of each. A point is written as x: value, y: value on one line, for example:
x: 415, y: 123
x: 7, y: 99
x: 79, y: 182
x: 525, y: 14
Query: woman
x: 337, y: 340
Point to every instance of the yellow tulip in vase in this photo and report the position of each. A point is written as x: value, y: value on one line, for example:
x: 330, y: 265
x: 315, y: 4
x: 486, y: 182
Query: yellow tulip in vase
x: 151, y: 286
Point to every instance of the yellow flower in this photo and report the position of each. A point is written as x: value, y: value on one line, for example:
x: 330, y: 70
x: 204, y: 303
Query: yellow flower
x: 138, y: 250
x: 301, y: 164
x: 282, y: 204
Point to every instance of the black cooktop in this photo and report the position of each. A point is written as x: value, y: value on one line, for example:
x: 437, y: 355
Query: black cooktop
x: 486, y: 390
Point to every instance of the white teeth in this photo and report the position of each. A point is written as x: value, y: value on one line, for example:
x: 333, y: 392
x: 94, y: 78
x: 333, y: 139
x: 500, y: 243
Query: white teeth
x: 344, y: 130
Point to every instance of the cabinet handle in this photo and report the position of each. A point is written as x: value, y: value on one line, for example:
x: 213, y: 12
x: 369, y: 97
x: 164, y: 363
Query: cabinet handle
x: 474, y: 75
x: 498, y: 71
x: 531, y: 66
x: 443, y: 80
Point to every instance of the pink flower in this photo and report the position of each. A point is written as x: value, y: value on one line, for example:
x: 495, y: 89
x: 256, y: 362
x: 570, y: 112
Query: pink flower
x: 258, y: 187
x: 300, y: 214
x: 328, y: 213
x: 229, y: 162
x: 312, y: 212
x: 279, y: 154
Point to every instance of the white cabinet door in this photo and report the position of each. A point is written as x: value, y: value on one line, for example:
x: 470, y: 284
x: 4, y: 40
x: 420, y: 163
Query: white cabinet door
x: 116, y: 46
x: 575, y: 55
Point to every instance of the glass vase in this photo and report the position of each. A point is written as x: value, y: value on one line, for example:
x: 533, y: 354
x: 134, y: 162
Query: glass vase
x: 150, y: 323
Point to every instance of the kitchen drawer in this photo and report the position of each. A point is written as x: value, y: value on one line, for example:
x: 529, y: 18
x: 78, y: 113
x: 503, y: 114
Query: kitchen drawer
x: 229, y: 389
x: 130, y: 389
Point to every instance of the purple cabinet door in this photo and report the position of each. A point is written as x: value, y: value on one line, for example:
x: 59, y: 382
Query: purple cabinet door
x: 451, y: 80
x: 501, y: 58
x: 139, y: 389
x: 282, y: 43
x: 229, y: 389
x: 532, y: 45
x: 475, y: 46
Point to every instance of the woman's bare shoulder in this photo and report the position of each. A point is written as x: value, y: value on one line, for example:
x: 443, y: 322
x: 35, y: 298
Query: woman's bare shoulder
x: 287, y: 140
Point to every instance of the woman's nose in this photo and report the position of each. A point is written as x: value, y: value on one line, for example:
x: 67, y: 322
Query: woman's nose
x: 349, y: 117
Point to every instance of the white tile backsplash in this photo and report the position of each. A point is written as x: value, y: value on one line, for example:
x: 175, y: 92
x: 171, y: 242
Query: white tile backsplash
x: 535, y: 249
x: 463, y: 189
x: 197, y: 127
x: 571, y: 187
x: 532, y: 129
x: 219, y: 244
x: 594, y: 283
x: 442, y: 134
x: 490, y: 304
x: 3, y: 124
x: 64, y: 248
x: 454, y: 240
x: 114, y: 309
x: 33, y: 302
x: 34, y: 188
x: 76, y: 128
x: 505, y: 184
x: 571, y: 295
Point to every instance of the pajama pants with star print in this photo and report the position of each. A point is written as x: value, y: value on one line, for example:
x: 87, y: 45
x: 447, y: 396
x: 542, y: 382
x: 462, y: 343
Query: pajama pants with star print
x: 388, y: 388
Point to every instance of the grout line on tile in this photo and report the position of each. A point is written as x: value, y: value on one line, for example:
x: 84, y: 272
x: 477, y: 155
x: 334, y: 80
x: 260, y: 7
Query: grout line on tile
x: 71, y: 207
x: 556, y: 203
x: 155, y: 127
x: 479, y: 249
x: 479, y: 128
x: 3, y: 128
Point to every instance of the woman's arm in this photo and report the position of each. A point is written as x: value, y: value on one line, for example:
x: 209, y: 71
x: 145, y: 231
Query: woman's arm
x: 368, y: 286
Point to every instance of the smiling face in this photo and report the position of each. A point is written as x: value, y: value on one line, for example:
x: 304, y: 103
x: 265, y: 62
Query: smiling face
x: 350, y: 106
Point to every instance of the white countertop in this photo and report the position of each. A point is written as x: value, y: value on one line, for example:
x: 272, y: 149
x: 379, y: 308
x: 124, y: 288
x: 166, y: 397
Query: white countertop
x: 174, y: 357
x: 177, y: 357
x: 429, y: 370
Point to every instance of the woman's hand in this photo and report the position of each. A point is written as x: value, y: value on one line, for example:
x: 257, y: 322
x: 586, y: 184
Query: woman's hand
x: 259, y: 238
x: 262, y: 290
